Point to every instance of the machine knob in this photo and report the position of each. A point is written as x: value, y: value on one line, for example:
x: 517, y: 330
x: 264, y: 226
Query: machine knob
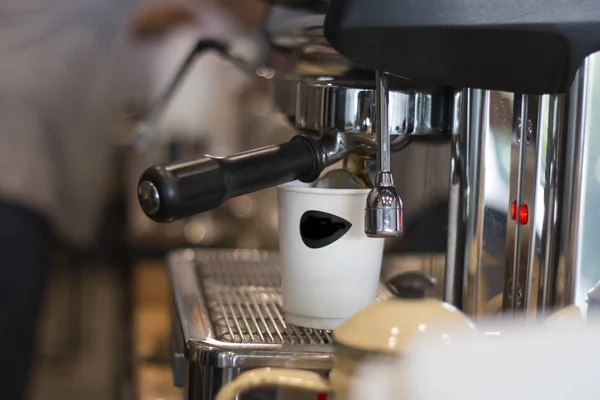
x: 149, y: 197
x: 410, y: 285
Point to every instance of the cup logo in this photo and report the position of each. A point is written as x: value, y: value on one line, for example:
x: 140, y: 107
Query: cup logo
x: 319, y: 229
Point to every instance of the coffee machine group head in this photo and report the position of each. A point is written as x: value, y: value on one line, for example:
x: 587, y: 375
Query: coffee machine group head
x: 342, y: 114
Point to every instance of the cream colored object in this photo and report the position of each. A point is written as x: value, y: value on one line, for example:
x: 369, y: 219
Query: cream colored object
x: 570, y: 316
x: 382, y: 329
x: 389, y: 327
x: 275, y: 377
x: 523, y: 364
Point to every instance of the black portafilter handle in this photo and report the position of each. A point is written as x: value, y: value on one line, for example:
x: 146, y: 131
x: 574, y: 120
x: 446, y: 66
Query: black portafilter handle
x: 182, y: 189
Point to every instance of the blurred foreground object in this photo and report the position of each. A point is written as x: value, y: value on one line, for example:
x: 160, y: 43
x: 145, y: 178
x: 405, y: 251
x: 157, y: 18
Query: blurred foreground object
x: 515, y: 363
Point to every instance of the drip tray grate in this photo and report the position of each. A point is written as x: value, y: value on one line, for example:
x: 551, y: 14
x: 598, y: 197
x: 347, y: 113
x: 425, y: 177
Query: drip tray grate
x: 244, y: 302
x: 228, y: 304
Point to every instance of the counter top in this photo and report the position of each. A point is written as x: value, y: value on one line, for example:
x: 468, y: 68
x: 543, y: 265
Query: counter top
x: 152, y: 373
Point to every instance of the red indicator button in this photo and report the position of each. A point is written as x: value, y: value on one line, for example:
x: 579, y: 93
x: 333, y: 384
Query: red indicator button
x: 513, y: 210
x: 523, y: 214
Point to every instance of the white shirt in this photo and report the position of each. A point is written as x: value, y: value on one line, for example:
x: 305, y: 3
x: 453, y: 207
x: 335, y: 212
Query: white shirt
x: 59, y: 102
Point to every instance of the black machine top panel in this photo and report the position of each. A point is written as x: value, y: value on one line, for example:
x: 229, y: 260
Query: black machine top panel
x: 524, y: 46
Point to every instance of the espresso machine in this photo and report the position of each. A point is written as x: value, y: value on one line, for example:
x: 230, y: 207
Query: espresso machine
x: 510, y: 90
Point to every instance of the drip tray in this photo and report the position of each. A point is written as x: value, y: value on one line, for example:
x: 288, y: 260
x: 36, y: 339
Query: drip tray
x: 229, y: 308
x: 243, y: 301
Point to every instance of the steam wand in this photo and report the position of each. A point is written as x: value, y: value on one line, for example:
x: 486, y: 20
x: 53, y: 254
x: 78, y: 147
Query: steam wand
x: 148, y: 129
x: 383, y: 214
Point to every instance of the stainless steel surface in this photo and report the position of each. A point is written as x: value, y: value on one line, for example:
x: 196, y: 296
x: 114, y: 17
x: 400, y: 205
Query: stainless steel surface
x: 228, y: 318
x: 325, y: 104
x: 536, y: 138
x: 554, y: 186
x: 337, y: 145
x: 229, y: 303
x: 578, y: 269
x: 529, y: 190
x: 478, y: 200
x: 551, y: 254
x: 455, y: 264
x: 149, y: 197
x: 244, y: 304
x: 382, y: 126
x: 548, y: 258
x: 573, y: 205
x: 383, y: 214
x: 514, y: 290
x: 471, y: 157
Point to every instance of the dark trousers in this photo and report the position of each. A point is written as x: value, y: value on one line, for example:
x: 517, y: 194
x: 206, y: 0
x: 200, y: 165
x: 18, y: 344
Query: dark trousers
x: 24, y: 268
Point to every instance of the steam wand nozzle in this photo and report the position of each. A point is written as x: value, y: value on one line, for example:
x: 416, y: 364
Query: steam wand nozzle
x: 383, y: 213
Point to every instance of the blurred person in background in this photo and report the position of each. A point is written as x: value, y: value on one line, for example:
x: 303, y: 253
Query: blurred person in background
x: 58, y: 110
x: 61, y: 91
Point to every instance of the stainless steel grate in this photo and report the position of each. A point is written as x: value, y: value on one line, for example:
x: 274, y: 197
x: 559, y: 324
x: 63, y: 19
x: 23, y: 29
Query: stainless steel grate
x: 244, y: 303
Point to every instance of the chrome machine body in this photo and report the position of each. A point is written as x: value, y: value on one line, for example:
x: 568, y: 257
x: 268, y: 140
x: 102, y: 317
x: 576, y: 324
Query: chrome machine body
x: 515, y: 105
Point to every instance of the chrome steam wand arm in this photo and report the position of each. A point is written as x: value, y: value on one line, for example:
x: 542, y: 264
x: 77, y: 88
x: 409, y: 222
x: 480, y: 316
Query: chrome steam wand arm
x: 383, y: 214
x: 381, y: 127
x: 148, y: 129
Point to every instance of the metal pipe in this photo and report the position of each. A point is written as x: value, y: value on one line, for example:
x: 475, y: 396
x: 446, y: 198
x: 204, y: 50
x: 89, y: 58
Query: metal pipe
x: 383, y: 213
x: 466, y: 214
x: 575, y: 180
x: 454, y: 270
x: 383, y: 137
x: 552, y: 201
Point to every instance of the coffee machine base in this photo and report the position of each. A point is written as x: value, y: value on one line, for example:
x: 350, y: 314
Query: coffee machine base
x: 227, y: 317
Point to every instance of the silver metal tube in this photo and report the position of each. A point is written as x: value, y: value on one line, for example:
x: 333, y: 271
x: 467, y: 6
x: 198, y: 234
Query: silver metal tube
x: 454, y: 270
x: 474, y: 218
x: 552, y: 200
x: 515, y: 288
x: 383, y: 211
x: 536, y: 138
x: 383, y: 137
x: 466, y: 219
x: 575, y: 180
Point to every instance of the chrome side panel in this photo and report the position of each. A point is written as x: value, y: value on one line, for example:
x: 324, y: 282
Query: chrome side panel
x: 550, y: 259
x: 479, y: 198
x: 579, y: 257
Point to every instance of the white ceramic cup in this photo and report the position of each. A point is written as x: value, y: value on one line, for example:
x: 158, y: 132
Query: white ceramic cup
x: 327, y: 280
